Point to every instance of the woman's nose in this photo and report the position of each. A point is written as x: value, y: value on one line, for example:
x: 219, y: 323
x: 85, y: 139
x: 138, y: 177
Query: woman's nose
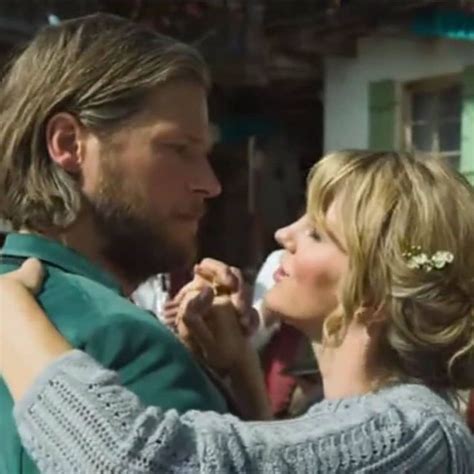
x: 284, y: 237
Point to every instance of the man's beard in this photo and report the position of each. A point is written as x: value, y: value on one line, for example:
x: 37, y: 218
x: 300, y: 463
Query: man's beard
x: 136, y: 246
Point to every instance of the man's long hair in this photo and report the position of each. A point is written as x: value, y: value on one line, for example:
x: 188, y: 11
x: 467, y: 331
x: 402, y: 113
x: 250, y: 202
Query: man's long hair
x: 99, y: 68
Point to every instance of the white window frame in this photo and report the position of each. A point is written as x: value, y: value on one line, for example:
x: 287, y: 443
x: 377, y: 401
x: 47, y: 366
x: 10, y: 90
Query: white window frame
x: 431, y: 85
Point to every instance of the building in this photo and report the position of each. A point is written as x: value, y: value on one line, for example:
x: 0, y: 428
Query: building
x: 409, y: 84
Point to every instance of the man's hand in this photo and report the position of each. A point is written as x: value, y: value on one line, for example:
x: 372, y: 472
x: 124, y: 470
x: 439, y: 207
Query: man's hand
x: 209, y: 326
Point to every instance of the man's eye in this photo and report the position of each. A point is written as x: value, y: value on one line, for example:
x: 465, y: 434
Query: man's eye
x: 178, y: 148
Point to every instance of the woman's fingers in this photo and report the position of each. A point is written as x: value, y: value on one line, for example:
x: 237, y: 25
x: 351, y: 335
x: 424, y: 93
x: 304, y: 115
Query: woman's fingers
x: 229, y: 280
x: 196, y: 284
x: 212, y: 273
x: 224, y: 280
x: 30, y: 275
x: 218, y: 274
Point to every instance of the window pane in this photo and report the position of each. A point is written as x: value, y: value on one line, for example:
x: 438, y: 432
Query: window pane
x: 450, y: 103
x: 422, y: 137
x: 450, y: 136
x: 423, y: 104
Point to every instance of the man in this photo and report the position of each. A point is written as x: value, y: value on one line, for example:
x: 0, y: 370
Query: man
x: 104, y: 175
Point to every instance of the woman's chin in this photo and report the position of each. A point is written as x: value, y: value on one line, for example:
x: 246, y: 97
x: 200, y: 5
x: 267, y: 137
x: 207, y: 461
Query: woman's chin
x: 290, y: 313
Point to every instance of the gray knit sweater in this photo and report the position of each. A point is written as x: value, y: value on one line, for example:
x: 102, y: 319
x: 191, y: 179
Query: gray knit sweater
x: 78, y: 419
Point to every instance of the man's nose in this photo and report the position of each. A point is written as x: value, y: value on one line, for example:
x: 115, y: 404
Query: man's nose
x: 206, y: 182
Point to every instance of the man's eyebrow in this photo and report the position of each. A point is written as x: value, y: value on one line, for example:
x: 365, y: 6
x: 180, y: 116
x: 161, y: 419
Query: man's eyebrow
x: 208, y: 142
x: 195, y: 138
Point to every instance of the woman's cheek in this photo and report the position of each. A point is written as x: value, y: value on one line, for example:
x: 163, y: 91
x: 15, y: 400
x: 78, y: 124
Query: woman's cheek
x: 314, y: 273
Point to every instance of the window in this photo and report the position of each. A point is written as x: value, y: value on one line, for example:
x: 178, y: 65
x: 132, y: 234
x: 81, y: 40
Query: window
x: 433, y: 118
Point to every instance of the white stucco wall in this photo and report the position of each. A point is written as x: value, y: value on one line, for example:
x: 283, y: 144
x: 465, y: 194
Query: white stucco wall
x: 380, y: 57
x: 4, y: 226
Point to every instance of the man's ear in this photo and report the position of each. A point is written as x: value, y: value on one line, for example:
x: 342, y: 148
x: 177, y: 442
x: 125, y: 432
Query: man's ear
x: 63, y: 140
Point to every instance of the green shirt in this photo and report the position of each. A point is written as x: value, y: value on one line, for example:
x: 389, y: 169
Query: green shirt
x: 85, y: 304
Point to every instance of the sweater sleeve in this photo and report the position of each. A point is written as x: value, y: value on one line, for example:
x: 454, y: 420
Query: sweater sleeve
x: 77, y: 418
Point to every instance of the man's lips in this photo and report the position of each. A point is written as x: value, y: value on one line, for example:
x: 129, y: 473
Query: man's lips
x: 192, y: 215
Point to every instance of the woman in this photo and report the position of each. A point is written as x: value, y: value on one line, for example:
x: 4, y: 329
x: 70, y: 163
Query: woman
x: 381, y: 279
x: 470, y: 411
x: 282, y: 348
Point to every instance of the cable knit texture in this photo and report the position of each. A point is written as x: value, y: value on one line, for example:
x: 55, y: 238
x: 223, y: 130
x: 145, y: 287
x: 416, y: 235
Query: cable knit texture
x: 78, y: 419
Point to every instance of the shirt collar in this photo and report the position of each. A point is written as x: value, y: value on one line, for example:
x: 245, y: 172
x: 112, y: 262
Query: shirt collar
x: 54, y: 253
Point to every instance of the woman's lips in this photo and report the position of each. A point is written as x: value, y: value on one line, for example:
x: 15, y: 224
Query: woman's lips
x: 279, y: 274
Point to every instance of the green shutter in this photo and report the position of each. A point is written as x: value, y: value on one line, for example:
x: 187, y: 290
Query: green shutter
x: 382, y: 115
x: 467, y: 130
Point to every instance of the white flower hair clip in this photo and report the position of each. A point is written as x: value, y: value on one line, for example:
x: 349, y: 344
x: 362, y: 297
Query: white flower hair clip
x: 416, y: 259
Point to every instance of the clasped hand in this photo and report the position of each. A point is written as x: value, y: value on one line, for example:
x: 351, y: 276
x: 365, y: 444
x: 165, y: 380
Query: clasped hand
x: 212, y: 314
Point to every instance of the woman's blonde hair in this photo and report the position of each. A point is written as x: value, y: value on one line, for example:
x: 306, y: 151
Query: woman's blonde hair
x: 391, y: 204
x: 99, y: 68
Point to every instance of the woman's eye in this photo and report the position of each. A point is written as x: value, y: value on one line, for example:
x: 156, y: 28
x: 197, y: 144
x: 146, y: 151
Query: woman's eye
x: 313, y: 234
